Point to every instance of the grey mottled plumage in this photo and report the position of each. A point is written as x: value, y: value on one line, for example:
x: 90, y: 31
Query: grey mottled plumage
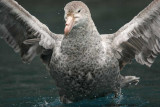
x: 84, y: 63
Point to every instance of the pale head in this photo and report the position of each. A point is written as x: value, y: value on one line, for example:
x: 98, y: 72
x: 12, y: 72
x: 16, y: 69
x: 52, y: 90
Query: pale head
x: 76, y: 14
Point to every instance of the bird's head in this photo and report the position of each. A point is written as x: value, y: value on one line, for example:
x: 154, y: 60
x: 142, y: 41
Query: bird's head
x: 76, y: 15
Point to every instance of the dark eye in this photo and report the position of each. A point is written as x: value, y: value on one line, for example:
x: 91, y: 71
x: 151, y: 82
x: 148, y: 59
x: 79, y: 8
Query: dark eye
x: 79, y: 11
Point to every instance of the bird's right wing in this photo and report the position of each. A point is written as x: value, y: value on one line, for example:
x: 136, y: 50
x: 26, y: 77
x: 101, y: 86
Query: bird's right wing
x: 18, y: 25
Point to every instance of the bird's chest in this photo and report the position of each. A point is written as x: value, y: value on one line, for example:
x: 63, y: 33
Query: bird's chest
x: 79, y: 55
x: 81, y: 52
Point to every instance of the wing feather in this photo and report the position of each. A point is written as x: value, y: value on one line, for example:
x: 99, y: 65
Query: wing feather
x: 18, y: 25
x: 140, y: 38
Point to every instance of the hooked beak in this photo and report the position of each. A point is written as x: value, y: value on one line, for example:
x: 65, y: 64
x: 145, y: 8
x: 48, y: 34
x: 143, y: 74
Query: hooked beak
x: 69, y: 24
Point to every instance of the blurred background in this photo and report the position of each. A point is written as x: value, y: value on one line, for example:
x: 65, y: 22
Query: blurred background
x: 31, y: 85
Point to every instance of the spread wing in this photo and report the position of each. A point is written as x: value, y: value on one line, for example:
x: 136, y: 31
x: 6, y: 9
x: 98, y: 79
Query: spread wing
x: 140, y: 38
x: 18, y: 25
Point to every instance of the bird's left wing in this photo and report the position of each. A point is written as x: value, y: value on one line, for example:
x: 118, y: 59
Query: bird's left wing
x: 140, y: 38
x: 18, y: 25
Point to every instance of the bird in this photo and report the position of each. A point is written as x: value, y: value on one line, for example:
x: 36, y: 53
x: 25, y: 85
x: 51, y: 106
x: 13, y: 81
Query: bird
x: 83, y: 63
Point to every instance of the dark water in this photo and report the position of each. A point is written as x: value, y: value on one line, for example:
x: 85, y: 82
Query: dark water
x: 24, y: 85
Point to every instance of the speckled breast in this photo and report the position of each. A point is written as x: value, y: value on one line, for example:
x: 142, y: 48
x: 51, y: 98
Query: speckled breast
x: 84, y: 71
